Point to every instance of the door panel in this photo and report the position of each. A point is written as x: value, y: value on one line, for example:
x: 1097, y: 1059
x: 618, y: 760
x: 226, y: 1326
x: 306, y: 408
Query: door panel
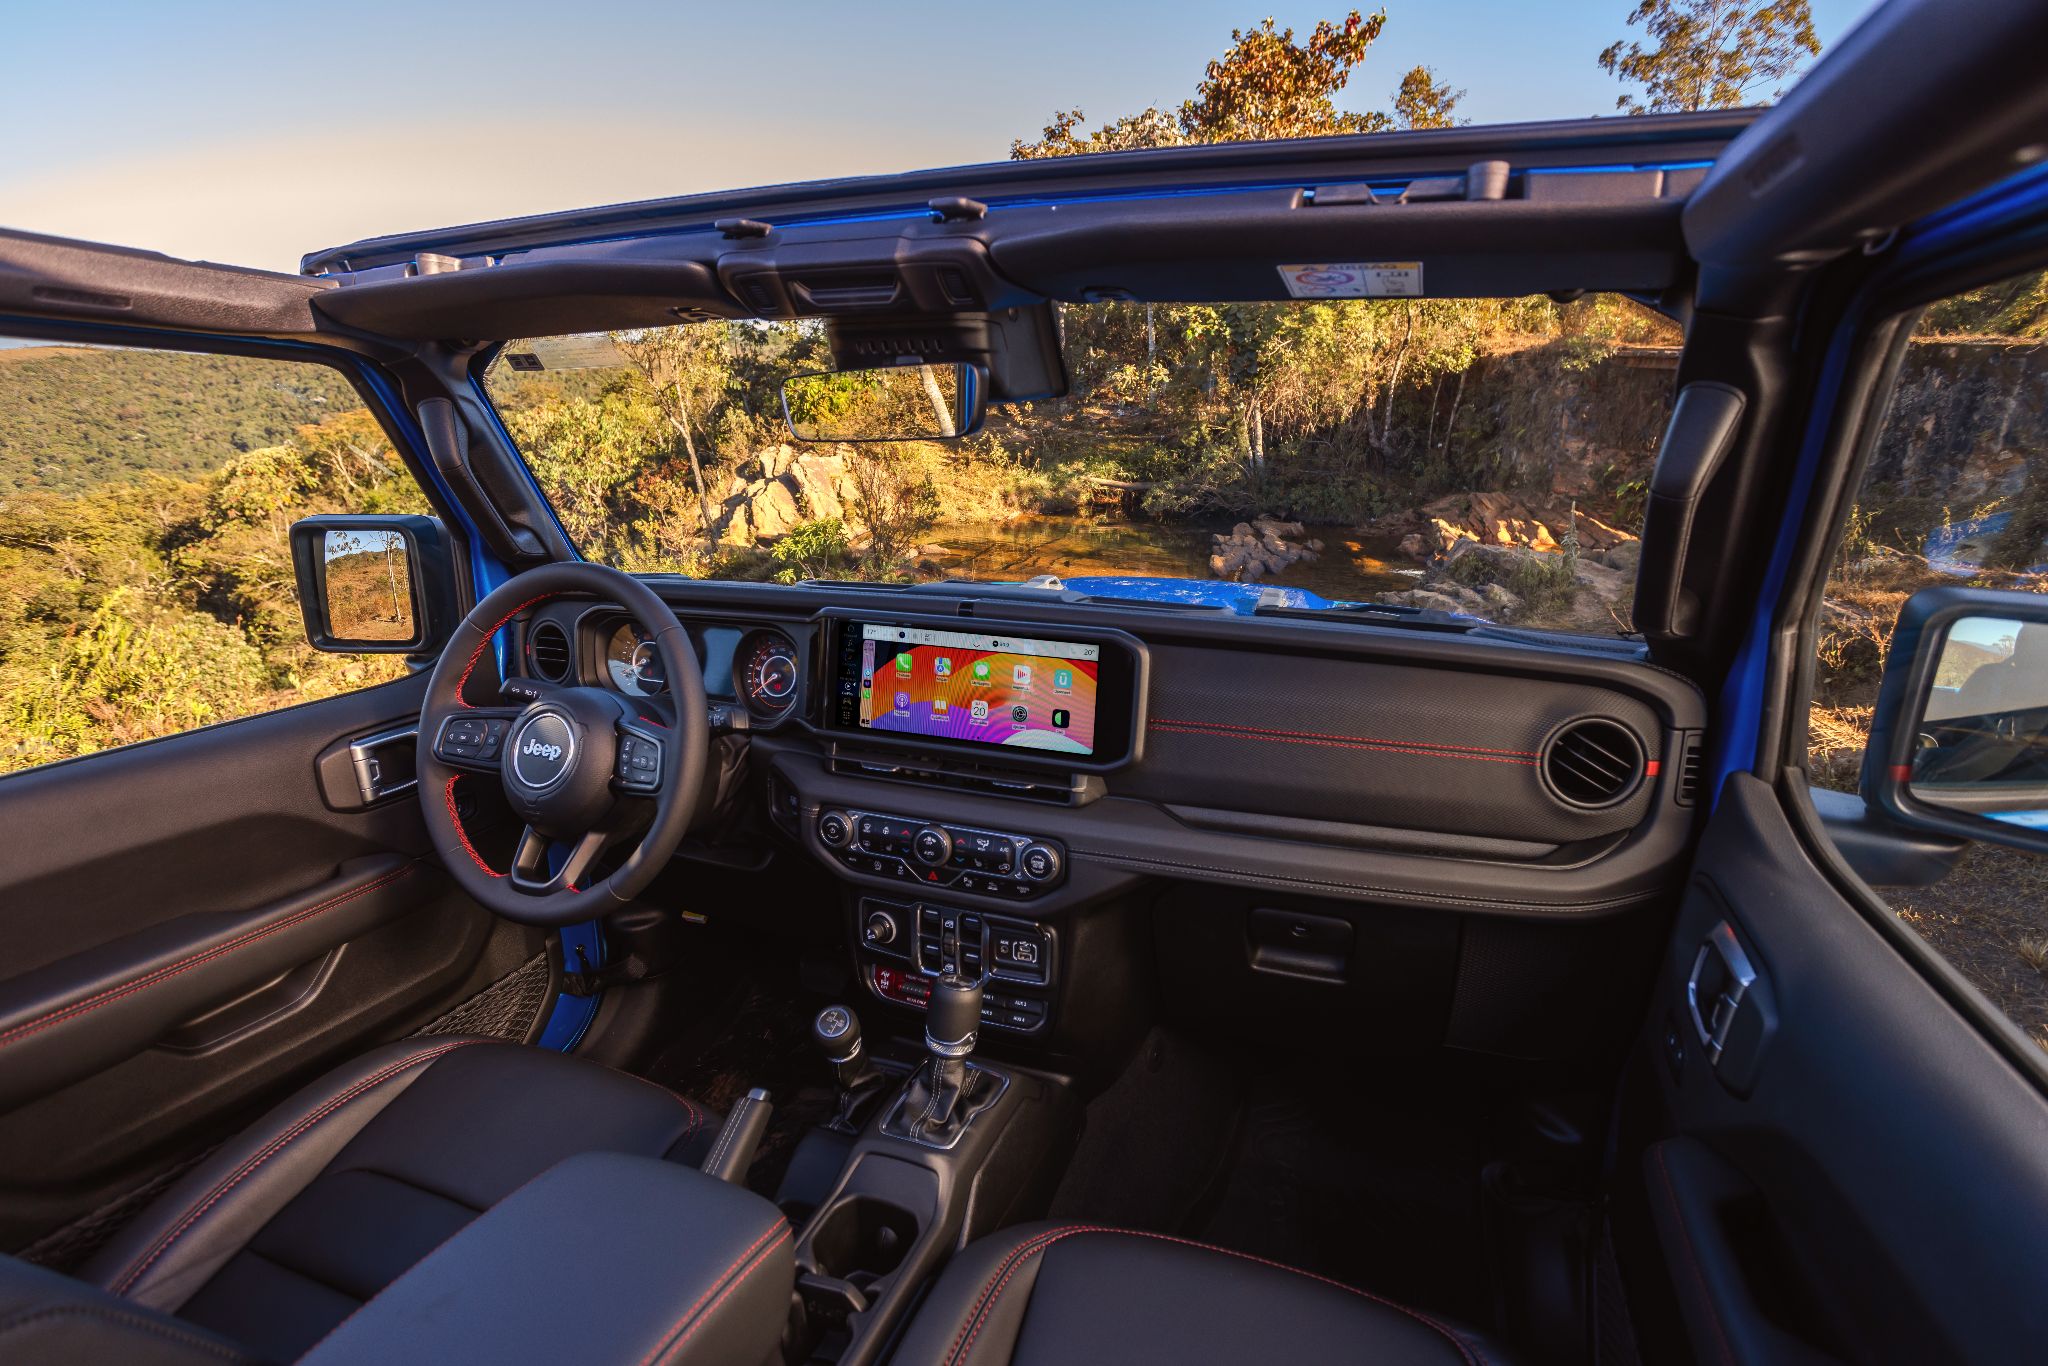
x: 193, y: 928
x: 1881, y: 1191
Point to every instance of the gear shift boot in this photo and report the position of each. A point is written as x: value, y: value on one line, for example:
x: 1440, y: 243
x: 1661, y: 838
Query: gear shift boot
x: 947, y: 1091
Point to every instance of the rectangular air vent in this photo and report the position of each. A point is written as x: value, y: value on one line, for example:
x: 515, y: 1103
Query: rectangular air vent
x: 1692, y: 750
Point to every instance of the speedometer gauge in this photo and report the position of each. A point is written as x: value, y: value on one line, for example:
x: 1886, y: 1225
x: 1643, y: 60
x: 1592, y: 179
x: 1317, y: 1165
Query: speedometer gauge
x: 768, y: 673
x: 633, y: 661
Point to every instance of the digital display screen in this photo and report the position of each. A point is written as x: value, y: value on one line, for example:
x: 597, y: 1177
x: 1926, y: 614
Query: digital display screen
x: 982, y: 689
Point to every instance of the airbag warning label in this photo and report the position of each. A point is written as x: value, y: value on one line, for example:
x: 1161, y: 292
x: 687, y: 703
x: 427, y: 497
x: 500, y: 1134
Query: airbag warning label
x: 1355, y: 280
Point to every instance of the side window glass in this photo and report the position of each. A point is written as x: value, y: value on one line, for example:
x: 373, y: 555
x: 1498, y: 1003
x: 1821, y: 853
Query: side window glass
x: 1956, y: 493
x: 145, y: 575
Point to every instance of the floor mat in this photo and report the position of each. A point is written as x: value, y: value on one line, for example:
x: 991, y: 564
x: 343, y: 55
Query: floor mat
x: 1339, y: 1169
x: 1156, y: 1142
x: 760, y: 1036
x: 1377, y: 1193
x: 506, y: 1009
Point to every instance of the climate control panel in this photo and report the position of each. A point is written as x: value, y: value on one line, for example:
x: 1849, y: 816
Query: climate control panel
x: 935, y: 854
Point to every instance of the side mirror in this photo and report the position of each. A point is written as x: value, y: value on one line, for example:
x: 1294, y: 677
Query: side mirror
x: 907, y: 402
x: 375, y: 585
x: 1959, y: 741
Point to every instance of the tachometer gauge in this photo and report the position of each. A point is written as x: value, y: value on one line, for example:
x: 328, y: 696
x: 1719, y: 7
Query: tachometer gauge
x: 634, y: 662
x: 768, y: 673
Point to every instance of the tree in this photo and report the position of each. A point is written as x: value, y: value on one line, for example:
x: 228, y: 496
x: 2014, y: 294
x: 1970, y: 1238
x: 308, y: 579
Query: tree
x: 1422, y: 102
x: 1269, y: 86
x: 1711, y: 54
x: 1266, y: 86
x: 688, y: 371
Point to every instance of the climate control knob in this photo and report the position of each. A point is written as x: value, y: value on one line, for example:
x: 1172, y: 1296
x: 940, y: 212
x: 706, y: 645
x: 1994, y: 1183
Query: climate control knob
x: 835, y: 829
x: 932, y: 846
x: 1040, y: 862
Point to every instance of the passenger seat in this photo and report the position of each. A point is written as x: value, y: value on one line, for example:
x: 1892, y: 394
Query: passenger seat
x: 1078, y: 1294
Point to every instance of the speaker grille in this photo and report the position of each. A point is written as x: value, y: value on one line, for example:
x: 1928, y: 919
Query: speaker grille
x: 550, y: 645
x: 1593, y: 763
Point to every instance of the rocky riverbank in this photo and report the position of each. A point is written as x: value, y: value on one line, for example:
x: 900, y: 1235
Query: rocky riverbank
x: 1510, y: 559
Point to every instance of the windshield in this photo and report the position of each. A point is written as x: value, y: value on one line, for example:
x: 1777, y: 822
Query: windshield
x: 1486, y: 458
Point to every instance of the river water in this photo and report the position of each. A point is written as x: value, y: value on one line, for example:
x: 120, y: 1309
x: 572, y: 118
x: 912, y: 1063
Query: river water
x: 1352, y: 565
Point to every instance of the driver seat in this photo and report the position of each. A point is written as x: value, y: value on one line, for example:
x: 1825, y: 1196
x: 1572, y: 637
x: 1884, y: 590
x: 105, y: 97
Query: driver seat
x: 285, y: 1230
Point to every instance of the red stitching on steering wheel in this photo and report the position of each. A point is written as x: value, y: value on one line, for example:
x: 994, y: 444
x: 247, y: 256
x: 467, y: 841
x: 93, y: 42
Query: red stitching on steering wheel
x: 462, y: 683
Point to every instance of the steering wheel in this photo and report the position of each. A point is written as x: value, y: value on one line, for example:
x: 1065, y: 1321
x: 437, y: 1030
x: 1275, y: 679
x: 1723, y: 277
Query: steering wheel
x: 585, y: 768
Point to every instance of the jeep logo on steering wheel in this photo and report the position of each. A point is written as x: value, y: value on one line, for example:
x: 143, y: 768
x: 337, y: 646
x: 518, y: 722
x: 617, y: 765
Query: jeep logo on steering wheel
x: 542, y: 750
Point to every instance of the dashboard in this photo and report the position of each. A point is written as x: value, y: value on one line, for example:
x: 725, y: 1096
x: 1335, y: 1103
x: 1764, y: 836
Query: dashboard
x: 987, y: 781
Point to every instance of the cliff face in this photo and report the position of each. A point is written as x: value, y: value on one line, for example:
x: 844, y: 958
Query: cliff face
x: 1965, y: 418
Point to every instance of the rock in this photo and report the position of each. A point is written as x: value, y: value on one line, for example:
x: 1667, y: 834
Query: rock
x: 1500, y: 599
x: 817, y: 480
x: 1496, y: 563
x: 738, y: 527
x: 1427, y: 598
x: 1413, y: 546
x: 775, y: 461
x: 1271, y: 526
x: 775, y: 510
x: 1219, y: 566
x: 1242, y: 532
x: 1627, y: 556
x: 1506, y: 519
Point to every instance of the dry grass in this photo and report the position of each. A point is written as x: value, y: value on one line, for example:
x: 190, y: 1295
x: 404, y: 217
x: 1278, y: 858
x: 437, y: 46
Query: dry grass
x: 1989, y: 919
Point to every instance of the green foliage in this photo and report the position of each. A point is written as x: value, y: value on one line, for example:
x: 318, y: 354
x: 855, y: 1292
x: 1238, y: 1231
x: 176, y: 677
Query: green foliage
x: 812, y: 550
x: 142, y: 603
x: 84, y: 416
x: 2014, y: 308
x: 1266, y: 86
x: 1711, y: 54
x: 1424, y: 102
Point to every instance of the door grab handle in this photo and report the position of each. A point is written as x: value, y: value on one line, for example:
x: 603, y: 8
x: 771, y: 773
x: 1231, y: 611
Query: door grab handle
x: 377, y: 776
x: 1738, y: 976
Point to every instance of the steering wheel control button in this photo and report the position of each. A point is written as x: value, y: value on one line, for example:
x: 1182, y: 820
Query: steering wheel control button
x: 639, y: 763
x: 543, y: 751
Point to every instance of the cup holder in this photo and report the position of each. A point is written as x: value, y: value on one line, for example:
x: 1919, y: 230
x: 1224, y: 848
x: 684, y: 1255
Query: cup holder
x: 862, y: 1239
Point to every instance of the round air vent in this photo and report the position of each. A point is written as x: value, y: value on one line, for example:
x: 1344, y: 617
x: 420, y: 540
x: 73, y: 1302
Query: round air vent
x: 1592, y: 762
x: 550, y: 646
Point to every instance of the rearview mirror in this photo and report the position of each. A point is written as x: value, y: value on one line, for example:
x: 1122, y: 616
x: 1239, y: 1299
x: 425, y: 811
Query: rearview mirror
x: 1959, y: 742
x: 911, y: 402
x: 373, y: 585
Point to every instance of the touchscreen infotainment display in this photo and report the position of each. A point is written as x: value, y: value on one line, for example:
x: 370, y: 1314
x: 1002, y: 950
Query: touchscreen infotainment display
x: 982, y: 689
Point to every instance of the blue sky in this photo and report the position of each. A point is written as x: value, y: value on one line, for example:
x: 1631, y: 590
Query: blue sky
x: 252, y: 132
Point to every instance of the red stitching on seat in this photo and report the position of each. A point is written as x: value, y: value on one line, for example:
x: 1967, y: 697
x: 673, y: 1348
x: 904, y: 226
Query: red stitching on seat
x: 278, y: 1145
x: 669, y: 1340
x: 169, y: 970
x: 1346, y: 739
x: 478, y: 653
x: 1389, y: 747
x: 454, y: 816
x: 1023, y: 1252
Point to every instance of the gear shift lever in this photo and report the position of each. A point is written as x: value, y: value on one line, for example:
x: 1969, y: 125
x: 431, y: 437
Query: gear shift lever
x: 945, y: 1093
x: 950, y: 1026
x: 835, y: 1033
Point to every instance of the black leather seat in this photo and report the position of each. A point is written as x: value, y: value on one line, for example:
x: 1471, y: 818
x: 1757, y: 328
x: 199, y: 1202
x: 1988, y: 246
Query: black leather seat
x: 1074, y: 1295
x: 287, y: 1229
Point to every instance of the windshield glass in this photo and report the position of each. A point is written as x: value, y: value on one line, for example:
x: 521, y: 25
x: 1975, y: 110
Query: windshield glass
x: 1481, y: 457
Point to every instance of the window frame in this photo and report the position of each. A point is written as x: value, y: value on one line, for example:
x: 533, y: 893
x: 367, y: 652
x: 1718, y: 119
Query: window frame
x: 379, y: 391
x: 1873, y: 333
